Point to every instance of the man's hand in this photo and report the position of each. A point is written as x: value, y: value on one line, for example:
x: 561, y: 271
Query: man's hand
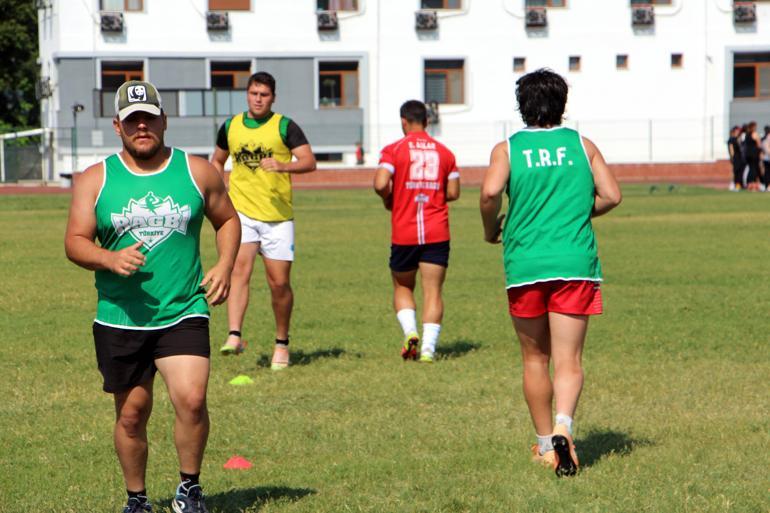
x: 126, y: 261
x: 494, y: 237
x: 388, y: 202
x: 271, y: 165
x: 218, y: 281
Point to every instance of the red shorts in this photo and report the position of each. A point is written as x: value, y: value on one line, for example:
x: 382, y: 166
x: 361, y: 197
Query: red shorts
x: 567, y: 297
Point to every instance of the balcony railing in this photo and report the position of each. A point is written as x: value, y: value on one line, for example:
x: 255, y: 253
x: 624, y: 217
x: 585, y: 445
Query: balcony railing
x: 184, y: 102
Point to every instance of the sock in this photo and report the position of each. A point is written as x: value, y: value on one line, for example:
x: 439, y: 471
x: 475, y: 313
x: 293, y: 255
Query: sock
x: 565, y: 420
x: 544, y: 444
x: 139, y: 496
x: 189, y: 480
x: 235, y: 333
x: 406, y: 318
x: 430, y: 334
x: 280, y: 342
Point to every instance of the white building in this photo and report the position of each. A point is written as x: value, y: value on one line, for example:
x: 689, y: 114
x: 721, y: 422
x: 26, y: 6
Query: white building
x: 660, y: 81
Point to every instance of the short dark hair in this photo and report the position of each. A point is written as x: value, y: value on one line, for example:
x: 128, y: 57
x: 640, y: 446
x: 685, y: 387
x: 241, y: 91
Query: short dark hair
x: 264, y: 78
x: 414, y: 111
x: 542, y: 97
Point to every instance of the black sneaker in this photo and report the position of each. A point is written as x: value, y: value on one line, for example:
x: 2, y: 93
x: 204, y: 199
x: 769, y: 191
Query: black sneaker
x: 189, y: 500
x: 136, y: 506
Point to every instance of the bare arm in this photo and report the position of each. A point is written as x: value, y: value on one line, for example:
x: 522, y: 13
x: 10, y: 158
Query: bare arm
x: 492, y: 189
x: 607, y: 195
x: 304, y: 163
x: 79, y: 239
x: 218, y: 160
x: 224, y: 219
x: 453, y: 189
x: 383, y: 186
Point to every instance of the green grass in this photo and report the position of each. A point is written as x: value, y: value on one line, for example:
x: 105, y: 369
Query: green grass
x: 674, y: 414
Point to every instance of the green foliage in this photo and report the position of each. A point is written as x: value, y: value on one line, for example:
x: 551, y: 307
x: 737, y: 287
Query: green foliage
x: 673, y: 416
x: 19, y: 108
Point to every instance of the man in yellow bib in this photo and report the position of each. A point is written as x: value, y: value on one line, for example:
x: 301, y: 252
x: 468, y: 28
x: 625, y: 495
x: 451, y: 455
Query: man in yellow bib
x: 266, y: 149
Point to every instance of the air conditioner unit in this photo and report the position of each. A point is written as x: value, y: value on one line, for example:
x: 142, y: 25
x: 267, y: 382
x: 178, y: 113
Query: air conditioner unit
x: 744, y: 12
x: 43, y: 88
x: 217, y: 20
x: 327, y: 20
x: 112, y: 21
x: 535, y: 17
x: 643, y: 15
x: 425, y: 20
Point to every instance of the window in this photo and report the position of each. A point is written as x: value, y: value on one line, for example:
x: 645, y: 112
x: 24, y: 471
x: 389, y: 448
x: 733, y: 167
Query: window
x: 519, y: 64
x: 337, y: 84
x: 650, y: 2
x: 677, y: 60
x: 229, y: 5
x: 545, y: 3
x: 574, y: 63
x: 621, y: 61
x: 751, y: 75
x: 230, y: 75
x: 121, y: 5
x: 444, y: 81
x: 441, y: 4
x: 337, y: 5
x: 115, y: 73
x: 329, y: 157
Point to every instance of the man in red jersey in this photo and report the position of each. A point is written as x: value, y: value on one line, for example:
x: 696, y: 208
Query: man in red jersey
x: 416, y: 178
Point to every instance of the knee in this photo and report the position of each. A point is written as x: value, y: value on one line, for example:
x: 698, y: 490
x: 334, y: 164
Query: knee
x: 192, y: 406
x: 132, y: 421
x: 241, y: 271
x: 536, y: 361
x: 569, y: 367
x: 280, y: 287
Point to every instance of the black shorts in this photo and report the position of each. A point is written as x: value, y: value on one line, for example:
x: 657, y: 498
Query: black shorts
x: 126, y: 357
x: 408, y: 258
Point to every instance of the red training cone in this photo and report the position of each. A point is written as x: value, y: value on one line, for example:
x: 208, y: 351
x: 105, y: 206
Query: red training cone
x: 238, y: 462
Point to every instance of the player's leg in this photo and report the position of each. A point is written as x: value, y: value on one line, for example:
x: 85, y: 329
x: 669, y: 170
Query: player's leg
x: 238, y: 299
x: 567, y: 338
x: 132, y: 411
x: 432, y: 278
x: 535, y: 343
x: 186, y: 378
x: 404, y: 262
x: 277, y: 256
x: 125, y: 361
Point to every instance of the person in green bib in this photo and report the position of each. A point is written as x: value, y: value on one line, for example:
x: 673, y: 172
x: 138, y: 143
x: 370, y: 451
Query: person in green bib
x: 556, y: 181
x: 145, y: 205
x: 265, y: 149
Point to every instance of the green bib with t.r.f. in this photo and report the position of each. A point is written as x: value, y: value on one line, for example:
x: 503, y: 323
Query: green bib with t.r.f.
x: 163, y: 210
x: 547, y: 233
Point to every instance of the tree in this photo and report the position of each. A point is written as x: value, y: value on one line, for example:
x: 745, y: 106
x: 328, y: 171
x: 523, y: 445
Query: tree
x: 19, y: 108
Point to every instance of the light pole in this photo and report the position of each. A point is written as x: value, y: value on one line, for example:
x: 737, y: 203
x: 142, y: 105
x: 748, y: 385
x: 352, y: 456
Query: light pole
x: 77, y: 107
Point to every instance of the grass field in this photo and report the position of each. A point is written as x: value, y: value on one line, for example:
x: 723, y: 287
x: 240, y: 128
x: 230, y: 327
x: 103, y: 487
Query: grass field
x: 674, y: 414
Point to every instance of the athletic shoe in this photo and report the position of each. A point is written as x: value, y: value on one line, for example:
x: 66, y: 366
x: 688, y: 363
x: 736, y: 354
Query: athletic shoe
x: 566, y: 462
x: 135, y: 506
x: 280, y: 358
x: 548, y: 458
x: 409, y: 349
x: 426, y: 358
x: 189, y: 500
x: 235, y: 349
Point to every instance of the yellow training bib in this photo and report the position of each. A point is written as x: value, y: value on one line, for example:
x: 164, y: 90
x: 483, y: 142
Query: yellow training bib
x: 261, y: 195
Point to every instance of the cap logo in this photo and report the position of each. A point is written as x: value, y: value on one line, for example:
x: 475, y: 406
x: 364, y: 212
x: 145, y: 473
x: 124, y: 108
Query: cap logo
x: 137, y: 93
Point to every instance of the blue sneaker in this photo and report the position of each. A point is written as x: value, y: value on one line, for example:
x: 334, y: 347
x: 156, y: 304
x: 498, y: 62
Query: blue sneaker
x: 189, y: 500
x: 136, y: 506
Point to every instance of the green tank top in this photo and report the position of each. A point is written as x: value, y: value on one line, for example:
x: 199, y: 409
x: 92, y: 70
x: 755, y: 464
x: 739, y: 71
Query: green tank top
x: 548, y: 234
x: 164, y: 210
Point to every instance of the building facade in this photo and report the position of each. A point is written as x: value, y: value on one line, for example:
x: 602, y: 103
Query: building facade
x: 653, y: 81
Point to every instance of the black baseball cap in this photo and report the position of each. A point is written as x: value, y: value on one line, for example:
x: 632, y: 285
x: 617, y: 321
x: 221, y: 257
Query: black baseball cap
x: 137, y: 96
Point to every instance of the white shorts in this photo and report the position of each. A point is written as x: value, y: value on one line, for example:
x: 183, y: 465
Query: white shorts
x: 276, y: 240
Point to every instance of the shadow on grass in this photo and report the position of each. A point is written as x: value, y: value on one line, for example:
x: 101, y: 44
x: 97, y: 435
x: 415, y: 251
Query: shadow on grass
x: 456, y: 349
x: 300, y: 357
x: 601, y: 443
x: 238, y: 500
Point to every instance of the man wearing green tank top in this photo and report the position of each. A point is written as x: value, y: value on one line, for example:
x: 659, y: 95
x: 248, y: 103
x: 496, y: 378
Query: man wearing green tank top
x: 556, y: 182
x: 145, y: 205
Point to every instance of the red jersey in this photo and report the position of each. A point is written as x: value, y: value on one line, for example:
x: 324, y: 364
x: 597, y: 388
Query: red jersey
x: 421, y: 167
